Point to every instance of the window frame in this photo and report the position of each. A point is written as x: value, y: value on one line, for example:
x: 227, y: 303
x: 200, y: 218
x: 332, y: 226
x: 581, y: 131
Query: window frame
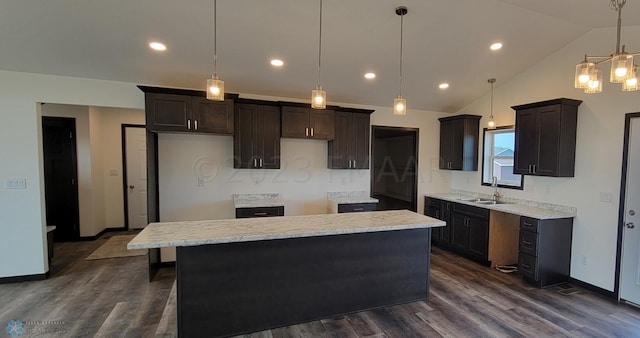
x: 484, y: 145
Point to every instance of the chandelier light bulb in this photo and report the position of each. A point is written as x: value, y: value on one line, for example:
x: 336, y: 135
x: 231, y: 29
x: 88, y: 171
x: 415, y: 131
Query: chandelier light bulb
x: 621, y: 72
x: 584, y: 78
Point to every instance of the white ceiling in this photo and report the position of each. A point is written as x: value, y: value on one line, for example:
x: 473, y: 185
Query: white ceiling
x: 444, y: 41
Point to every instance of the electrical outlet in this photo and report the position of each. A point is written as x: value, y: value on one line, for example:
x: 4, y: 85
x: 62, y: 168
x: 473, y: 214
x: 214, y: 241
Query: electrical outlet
x: 584, y: 260
x: 17, y: 183
x: 606, y: 197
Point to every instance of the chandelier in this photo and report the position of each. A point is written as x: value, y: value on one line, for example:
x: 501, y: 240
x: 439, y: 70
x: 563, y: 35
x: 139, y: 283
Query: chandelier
x: 623, y: 70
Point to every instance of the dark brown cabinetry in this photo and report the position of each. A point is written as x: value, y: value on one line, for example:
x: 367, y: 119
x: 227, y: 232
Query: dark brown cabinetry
x: 349, y: 148
x: 356, y: 207
x: 185, y: 111
x: 545, y: 142
x: 259, y: 212
x: 470, y: 232
x: 545, y: 250
x: 459, y: 142
x: 304, y: 122
x: 256, y: 140
x: 439, y: 209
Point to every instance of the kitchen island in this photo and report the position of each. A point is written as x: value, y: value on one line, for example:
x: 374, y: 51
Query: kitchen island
x: 243, y: 275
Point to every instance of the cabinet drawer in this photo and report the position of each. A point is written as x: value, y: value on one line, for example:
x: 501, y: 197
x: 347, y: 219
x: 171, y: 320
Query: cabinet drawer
x: 528, y: 266
x: 259, y: 212
x: 529, y: 242
x: 529, y: 224
x: 432, y: 202
x: 356, y: 207
x: 472, y: 211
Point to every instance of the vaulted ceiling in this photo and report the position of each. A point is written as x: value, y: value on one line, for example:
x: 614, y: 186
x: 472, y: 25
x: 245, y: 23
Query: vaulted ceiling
x: 444, y: 41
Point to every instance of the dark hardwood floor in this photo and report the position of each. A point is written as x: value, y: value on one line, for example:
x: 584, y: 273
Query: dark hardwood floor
x: 112, y: 298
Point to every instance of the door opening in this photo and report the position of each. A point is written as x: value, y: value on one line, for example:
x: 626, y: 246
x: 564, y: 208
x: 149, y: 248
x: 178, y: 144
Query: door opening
x: 628, y: 258
x: 61, y: 177
x: 134, y: 164
x: 394, y: 178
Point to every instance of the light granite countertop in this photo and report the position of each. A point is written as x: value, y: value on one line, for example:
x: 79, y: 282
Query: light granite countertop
x: 513, y: 206
x: 192, y: 233
x: 347, y: 197
x: 257, y: 200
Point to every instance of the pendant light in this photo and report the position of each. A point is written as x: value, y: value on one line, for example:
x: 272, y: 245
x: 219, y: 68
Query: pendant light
x: 491, y: 124
x: 215, y: 86
x: 400, y: 103
x: 319, y: 96
x: 623, y: 70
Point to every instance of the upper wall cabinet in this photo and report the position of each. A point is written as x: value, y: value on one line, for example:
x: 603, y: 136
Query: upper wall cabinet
x: 256, y: 141
x: 349, y: 148
x: 176, y: 110
x: 304, y: 122
x: 459, y: 142
x: 546, y: 138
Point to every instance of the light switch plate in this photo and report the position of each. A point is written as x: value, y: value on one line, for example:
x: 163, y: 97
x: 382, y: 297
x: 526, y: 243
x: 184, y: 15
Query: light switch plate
x: 606, y: 197
x: 17, y: 183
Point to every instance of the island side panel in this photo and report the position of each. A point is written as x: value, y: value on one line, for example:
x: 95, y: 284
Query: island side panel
x: 234, y: 288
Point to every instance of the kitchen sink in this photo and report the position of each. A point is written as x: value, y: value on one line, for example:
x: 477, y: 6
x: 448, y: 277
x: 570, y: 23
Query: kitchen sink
x: 489, y: 202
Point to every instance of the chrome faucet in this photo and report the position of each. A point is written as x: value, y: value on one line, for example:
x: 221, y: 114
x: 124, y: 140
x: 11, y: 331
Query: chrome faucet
x: 494, y: 184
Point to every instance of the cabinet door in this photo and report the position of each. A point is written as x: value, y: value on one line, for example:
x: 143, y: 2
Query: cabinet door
x: 267, y: 137
x: 321, y: 124
x: 168, y: 112
x: 432, y: 209
x: 295, y: 122
x: 214, y: 117
x: 339, y: 157
x: 360, y: 141
x: 526, y: 145
x: 549, y: 140
x: 243, y: 138
x: 459, y: 233
x: 458, y: 137
x: 478, y: 238
x: 446, y: 216
x: 446, y: 144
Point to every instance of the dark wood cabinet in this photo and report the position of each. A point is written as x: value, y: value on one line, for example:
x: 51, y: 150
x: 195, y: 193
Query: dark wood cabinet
x: 545, y: 250
x: 349, y: 148
x: 356, y: 207
x: 259, y: 212
x: 459, y: 142
x: 304, y: 122
x: 184, y: 112
x: 256, y: 140
x: 439, y: 209
x: 470, y: 232
x: 545, y: 143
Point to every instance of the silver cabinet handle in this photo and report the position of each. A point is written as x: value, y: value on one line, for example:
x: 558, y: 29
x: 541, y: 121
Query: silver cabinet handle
x: 526, y: 266
x: 354, y: 164
x: 535, y: 168
x: 311, y: 131
x: 306, y: 131
x: 195, y: 124
x: 259, y: 214
x: 358, y: 209
x: 255, y: 162
x: 189, y: 124
x: 261, y: 162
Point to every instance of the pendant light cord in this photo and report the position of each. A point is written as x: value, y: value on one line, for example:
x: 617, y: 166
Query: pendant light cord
x: 401, y: 38
x: 492, y: 98
x: 215, y: 32
x: 320, y: 44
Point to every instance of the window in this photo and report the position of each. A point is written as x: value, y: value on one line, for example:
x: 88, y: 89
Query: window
x: 497, y: 159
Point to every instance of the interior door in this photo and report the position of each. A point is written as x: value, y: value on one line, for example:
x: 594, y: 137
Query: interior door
x: 61, y: 177
x: 136, y: 174
x: 630, y: 259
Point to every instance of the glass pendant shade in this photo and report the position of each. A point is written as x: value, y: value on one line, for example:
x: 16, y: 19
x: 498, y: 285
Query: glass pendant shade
x: 215, y: 89
x: 595, y: 82
x: 631, y: 84
x: 491, y: 124
x: 318, y: 98
x: 399, y: 106
x: 582, y: 74
x: 621, y: 67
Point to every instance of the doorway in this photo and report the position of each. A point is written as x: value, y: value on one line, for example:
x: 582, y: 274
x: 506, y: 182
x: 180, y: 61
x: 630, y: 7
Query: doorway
x: 61, y: 177
x: 394, y: 179
x: 628, y: 266
x: 134, y: 164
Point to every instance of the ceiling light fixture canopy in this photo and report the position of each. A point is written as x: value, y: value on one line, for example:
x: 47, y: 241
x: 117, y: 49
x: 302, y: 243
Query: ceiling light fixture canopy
x: 623, y: 70
x: 491, y: 124
x: 215, y: 86
x: 319, y: 96
x: 400, y: 103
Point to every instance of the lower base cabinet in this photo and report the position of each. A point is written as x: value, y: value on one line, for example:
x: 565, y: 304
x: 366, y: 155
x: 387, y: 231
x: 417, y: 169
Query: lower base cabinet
x: 439, y: 209
x: 470, y: 232
x: 545, y: 250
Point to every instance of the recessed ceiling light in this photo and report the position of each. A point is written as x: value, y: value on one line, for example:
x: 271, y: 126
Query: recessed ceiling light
x: 496, y: 46
x: 443, y: 85
x: 159, y: 46
x: 277, y: 62
x: 370, y: 76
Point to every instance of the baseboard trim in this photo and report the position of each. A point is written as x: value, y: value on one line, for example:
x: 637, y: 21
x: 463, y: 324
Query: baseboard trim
x: 25, y: 278
x: 104, y: 231
x: 593, y: 288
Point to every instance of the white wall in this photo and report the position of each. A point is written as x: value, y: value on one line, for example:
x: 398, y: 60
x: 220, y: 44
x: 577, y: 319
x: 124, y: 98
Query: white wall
x: 23, y: 240
x: 598, y: 154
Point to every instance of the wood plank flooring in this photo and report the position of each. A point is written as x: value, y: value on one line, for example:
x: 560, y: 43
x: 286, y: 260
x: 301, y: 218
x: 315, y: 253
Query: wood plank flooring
x: 112, y: 298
